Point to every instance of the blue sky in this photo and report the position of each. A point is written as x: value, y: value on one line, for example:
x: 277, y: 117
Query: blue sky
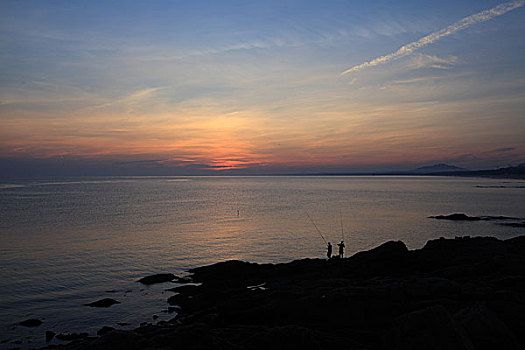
x: 207, y: 86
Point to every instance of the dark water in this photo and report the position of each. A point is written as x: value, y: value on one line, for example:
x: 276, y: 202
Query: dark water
x: 69, y: 242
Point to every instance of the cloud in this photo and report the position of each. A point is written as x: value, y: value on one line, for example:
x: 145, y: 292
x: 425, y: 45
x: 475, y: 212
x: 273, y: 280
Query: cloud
x: 428, y: 61
x: 135, y: 97
x: 435, y: 36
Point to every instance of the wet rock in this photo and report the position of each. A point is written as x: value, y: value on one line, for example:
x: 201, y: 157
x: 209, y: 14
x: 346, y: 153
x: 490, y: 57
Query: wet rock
x: 172, y: 309
x: 186, y: 279
x: 49, y: 336
x: 119, y: 340
x: 105, y: 330
x: 183, y: 289
x: 71, y: 336
x: 32, y: 322
x: 158, y: 278
x: 106, y: 302
x: 514, y: 224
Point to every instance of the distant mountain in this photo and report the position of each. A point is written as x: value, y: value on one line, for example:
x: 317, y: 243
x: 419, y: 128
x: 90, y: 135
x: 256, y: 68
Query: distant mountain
x: 512, y: 172
x: 437, y: 168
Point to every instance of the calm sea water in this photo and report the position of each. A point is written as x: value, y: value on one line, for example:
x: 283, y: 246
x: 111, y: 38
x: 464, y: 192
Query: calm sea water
x: 68, y: 242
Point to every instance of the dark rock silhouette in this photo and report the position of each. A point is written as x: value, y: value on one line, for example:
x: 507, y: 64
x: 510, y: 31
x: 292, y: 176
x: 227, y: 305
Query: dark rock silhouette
x: 464, y: 217
x: 106, y: 302
x: 514, y: 224
x: 49, y: 336
x: 32, y: 322
x: 71, y: 336
x: 457, y: 216
x: 105, y: 330
x: 465, y: 293
x: 158, y: 278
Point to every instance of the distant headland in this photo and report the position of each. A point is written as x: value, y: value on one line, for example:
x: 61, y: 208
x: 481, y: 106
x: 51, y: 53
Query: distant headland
x: 511, y: 172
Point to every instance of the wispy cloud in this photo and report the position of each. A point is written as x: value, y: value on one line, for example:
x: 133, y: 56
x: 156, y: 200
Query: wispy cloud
x: 435, y: 36
x: 132, y: 98
x: 429, y: 61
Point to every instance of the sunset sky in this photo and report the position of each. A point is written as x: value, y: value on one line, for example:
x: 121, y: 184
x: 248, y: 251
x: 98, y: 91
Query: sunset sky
x: 219, y: 87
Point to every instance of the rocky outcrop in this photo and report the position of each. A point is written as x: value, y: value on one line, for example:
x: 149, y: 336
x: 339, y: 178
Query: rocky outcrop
x: 158, y: 278
x: 32, y: 322
x: 106, y: 302
x: 465, y: 293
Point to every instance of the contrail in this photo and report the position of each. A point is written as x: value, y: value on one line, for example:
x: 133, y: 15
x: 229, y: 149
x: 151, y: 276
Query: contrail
x: 433, y: 37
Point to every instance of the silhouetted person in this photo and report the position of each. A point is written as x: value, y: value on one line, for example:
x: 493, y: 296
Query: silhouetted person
x: 341, y: 249
x: 329, y: 250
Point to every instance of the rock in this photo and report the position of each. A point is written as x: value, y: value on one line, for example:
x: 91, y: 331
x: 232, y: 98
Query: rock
x: 431, y: 328
x: 106, y: 302
x: 514, y: 224
x: 49, y: 336
x: 234, y: 271
x: 385, y: 298
x: 158, y: 278
x: 32, y: 322
x: 456, y: 216
x: 485, y: 330
x: 104, y: 330
x: 71, y: 336
x: 123, y: 323
x: 186, y: 279
x: 118, y: 339
x: 433, y: 287
x: 183, y: 289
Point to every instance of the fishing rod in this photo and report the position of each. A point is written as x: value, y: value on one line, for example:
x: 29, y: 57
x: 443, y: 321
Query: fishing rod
x: 342, y: 230
x: 316, y: 228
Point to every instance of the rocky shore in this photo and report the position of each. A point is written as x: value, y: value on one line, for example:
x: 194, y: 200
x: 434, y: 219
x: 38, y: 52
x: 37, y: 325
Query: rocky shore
x: 464, y: 293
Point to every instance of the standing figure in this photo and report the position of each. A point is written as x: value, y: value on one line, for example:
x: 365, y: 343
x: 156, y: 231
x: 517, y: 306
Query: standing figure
x: 341, y: 249
x: 329, y: 250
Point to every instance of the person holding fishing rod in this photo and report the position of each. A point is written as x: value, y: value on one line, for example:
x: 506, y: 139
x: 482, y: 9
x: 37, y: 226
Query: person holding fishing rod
x: 341, y: 249
x: 342, y: 244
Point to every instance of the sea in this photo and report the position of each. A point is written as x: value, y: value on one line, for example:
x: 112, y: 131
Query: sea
x: 71, y: 241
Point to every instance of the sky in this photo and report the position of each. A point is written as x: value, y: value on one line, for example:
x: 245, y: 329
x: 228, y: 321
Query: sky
x: 259, y: 87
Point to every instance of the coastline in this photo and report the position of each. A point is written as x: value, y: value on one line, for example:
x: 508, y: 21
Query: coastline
x: 464, y: 293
